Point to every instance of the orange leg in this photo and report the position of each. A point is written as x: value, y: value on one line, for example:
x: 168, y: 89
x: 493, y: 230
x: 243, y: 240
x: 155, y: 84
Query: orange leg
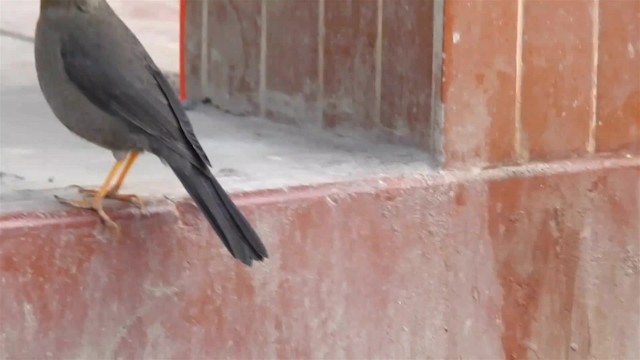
x: 95, y: 202
x: 128, y: 163
x: 113, y: 191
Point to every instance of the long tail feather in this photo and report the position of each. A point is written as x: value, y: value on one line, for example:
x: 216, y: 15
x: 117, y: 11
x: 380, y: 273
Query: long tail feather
x: 231, y: 226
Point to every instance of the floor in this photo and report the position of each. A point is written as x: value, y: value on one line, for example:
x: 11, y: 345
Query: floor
x: 38, y: 153
x: 156, y: 23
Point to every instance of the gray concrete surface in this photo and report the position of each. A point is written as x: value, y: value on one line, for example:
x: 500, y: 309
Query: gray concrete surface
x: 38, y: 153
x: 155, y: 22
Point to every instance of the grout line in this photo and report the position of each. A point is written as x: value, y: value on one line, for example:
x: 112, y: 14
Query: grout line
x: 591, y: 143
x: 521, y: 153
x: 204, y: 51
x: 182, y: 56
x: 321, y: 43
x: 437, y: 121
x: 378, y: 59
x: 263, y: 58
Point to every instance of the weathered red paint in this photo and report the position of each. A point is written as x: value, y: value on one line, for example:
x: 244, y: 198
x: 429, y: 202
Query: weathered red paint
x: 537, y: 262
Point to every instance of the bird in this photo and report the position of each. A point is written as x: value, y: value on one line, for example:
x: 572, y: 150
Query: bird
x: 103, y: 86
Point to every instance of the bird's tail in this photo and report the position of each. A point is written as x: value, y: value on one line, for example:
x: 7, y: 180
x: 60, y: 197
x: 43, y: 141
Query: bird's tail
x: 231, y: 226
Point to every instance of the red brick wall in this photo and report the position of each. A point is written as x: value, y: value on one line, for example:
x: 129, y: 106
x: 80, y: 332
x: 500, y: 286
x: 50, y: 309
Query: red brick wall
x: 520, y: 81
x: 364, y: 64
x: 540, y: 79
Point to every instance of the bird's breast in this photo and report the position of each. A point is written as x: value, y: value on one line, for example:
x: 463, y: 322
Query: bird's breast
x: 72, y: 108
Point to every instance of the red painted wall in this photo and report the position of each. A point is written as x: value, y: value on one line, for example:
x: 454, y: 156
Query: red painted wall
x: 505, y: 264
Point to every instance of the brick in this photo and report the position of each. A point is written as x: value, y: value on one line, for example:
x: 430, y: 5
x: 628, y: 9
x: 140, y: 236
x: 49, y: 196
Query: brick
x: 618, y: 107
x: 349, y: 72
x: 233, y: 71
x: 406, y: 83
x: 557, y: 77
x: 479, y: 82
x: 292, y: 79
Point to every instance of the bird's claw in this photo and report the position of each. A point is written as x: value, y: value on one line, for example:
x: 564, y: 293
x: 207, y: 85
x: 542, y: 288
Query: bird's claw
x: 113, y: 194
x: 91, y: 203
x: 85, y: 203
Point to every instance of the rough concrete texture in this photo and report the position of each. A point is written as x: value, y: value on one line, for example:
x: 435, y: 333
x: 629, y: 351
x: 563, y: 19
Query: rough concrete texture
x: 539, y: 263
x: 37, y: 152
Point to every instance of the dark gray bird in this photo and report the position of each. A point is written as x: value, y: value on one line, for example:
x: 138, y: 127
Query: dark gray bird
x: 102, y: 85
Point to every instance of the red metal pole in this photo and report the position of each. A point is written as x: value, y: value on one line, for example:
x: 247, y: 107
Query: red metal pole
x: 183, y: 20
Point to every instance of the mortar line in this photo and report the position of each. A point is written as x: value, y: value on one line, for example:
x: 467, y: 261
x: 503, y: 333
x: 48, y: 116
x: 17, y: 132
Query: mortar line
x: 595, y: 14
x: 204, y: 50
x: 521, y: 153
x: 378, y: 60
x: 263, y: 59
x: 437, y: 120
x: 321, y: 43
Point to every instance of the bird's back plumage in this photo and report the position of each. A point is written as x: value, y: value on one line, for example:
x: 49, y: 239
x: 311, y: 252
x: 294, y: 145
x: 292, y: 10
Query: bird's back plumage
x: 88, y: 58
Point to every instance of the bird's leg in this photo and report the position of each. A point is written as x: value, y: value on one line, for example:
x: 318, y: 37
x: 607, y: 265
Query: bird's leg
x: 113, y: 191
x: 94, y: 201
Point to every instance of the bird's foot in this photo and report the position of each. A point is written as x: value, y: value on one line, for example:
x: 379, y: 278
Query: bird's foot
x: 113, y: 194
x: 91, y: 203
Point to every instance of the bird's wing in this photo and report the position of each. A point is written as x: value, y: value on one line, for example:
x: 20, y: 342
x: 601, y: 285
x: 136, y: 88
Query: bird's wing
x: 178, y: 111
x: 112, y: 91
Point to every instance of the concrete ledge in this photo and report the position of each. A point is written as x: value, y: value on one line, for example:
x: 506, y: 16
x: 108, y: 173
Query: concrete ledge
x: 38, y: 153
x: 541, y: 261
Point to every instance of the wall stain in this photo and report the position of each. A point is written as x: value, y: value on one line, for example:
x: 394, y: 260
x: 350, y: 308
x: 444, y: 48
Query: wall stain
x: 536, y: 247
